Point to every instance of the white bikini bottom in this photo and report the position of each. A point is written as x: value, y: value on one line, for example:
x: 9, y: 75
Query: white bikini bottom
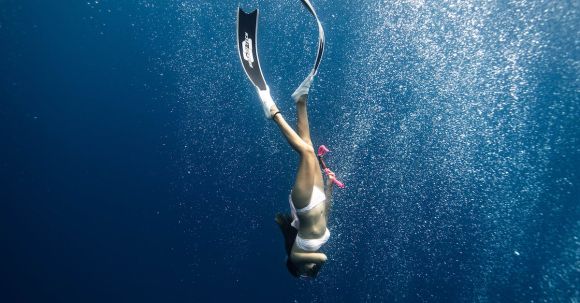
x: 312, y: 244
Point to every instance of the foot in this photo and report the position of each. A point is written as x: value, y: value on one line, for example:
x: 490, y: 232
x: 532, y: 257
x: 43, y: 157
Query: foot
x: 303, y: 89
x: 302, y: 99
x: 268, y: 104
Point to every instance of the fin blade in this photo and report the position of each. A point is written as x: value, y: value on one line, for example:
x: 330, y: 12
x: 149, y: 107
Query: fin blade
x: 247, y: 39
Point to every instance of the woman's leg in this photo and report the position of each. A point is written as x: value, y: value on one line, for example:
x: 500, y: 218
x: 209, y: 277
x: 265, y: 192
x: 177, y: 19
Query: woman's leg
x: 304, y: 133
x: 295, y: 141
x: 303, y: 125
x: 308, y: 168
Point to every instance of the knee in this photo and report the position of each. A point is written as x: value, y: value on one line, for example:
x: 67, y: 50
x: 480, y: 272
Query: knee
x: 306, y: 150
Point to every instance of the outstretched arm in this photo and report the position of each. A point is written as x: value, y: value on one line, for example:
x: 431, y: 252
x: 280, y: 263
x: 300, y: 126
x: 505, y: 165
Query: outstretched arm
x: 300, y: 257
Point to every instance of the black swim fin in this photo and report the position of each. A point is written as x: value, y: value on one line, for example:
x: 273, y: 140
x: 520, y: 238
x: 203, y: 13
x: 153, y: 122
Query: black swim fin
x: 304, y: 87
x: 321, y: 38
x: 248, y: 47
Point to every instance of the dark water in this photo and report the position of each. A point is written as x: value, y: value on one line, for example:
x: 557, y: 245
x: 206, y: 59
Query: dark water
x: 136, y: 164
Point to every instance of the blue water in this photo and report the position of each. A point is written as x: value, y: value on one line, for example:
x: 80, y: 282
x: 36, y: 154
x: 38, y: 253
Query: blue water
x: 136, y: 164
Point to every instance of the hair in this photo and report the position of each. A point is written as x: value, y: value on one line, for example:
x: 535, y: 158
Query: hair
x: 289, y: 232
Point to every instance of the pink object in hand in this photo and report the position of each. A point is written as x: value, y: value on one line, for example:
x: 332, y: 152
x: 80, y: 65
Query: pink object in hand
x: 322, y: 150
x: 335, y: 181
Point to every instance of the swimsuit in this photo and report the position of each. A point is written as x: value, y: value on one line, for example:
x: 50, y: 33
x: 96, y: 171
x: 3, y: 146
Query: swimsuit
x: 312, y: 244
x: 316, y: 199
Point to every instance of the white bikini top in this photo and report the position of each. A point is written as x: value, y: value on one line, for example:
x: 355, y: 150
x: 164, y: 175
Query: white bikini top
x: 316, y: 198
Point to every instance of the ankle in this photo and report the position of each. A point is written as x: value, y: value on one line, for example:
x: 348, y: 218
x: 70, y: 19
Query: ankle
x: 302, y: 99
x: 274, y: 111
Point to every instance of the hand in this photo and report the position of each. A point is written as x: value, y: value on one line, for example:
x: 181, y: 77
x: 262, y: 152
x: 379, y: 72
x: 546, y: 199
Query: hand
x: 331, y: 176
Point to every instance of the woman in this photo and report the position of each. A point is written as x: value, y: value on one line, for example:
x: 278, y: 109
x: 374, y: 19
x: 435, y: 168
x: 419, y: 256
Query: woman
x: 305, y: 228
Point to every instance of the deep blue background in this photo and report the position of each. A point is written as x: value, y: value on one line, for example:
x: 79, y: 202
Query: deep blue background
x: 135, y: 165
x: 87, y: 210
